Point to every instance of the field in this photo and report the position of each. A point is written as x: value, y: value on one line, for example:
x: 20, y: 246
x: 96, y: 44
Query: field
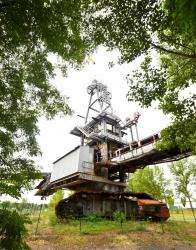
x: 95, y: 233
x: 182, y: 215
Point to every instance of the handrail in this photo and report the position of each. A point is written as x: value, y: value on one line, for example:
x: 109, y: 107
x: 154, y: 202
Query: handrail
x: 119, y: 153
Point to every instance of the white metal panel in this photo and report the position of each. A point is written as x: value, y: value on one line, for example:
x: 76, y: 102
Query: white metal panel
x: 65, y: 166
x: 78, y: 160
x: 86, y: 160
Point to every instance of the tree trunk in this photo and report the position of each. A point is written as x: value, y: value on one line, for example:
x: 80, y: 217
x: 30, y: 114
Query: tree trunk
x: 190, y: 202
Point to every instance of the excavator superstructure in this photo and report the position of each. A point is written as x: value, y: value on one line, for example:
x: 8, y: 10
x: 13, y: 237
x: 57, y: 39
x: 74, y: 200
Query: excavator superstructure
x: 97, y: 170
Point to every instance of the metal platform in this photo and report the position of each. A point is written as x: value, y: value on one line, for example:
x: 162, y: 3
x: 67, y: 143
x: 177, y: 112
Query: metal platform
x: 145, y: 153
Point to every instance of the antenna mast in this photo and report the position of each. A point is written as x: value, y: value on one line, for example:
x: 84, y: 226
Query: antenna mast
x: 100, y: 98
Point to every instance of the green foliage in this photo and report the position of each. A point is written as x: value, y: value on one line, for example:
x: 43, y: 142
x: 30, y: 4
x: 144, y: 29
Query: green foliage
x: 31, y: 33
x: 176, y: 135
x: 182, y: 15
x: 93, y: 217
x: 59, y: 195
x: 172, y: 82
x: 184, y: 173
x: 16, y: 175
x: 21, y: 207
x: 126, y: 26
x: 12, y: 230
x: 164, y: 29
x: 151, y: 181
x: 119, y: 216
x: 168, y: 85
x: 6, y: 204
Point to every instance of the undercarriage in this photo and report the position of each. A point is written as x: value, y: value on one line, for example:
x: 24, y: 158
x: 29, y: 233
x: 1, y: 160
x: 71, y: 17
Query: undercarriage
x: 137, y: 206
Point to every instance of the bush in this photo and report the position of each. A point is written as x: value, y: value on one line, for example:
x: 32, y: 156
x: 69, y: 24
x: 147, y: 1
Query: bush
x: 12, y: 230
x: 53, y: 220
x: 119, y: 217
x: 94, y: 217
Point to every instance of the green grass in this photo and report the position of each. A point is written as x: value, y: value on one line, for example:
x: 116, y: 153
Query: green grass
x: 185, y: 231
x: 101, y: 231
x: 177, y: 214
x: 88, y: 226
x: 97, y: 226
x: 70, y: 235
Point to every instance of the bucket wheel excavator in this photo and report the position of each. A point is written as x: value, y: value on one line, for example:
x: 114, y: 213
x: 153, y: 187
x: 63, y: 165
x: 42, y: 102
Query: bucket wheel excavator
x: 97, y: 170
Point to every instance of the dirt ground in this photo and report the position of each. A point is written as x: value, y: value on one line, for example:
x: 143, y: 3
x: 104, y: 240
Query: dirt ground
x: 148, y: 240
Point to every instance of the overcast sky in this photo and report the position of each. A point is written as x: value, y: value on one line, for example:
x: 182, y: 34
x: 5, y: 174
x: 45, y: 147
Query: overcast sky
x: 55, y: 139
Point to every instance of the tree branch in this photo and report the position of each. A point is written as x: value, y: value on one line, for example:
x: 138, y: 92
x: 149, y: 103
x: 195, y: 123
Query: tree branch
x: 188, y: 56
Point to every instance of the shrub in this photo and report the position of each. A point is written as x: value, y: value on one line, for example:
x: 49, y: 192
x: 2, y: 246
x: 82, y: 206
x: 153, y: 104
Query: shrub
x: 94, y: 217
x: 12, y: 230
x: 53, y: 220
x: 119, y: 217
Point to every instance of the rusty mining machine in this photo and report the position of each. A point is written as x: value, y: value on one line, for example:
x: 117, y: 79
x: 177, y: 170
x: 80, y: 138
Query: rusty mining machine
x: 97, y: 170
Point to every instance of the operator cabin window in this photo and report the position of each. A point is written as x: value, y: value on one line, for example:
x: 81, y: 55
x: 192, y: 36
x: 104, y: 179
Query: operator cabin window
x: 117, y: 131
x: 112, y: 129
x: 109, y: 128
x: 97, y: 128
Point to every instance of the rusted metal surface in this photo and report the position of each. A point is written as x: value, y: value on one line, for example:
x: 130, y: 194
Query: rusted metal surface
x: 138, y: 195
x: 152, y: 208
x: 164, y: 212
x: 142, y: 202
x: 137, y: 205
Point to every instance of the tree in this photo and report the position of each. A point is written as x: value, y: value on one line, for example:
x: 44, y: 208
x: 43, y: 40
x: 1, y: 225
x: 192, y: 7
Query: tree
x: 184, y: 173
x: 151, y: 181
x: 166, y: 28
x: 31, y: 31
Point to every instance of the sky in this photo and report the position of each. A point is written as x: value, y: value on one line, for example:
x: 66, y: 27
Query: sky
x: 55, y: 139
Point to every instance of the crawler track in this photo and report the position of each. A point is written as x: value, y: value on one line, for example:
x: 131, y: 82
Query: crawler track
x: 104, y: 204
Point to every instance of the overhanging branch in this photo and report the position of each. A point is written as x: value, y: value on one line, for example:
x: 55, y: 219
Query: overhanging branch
x: 188, y: 56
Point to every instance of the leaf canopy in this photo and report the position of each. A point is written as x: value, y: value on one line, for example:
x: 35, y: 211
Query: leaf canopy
x: 154, y: 29
x: 31, y: 31
x: 151, y: 181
